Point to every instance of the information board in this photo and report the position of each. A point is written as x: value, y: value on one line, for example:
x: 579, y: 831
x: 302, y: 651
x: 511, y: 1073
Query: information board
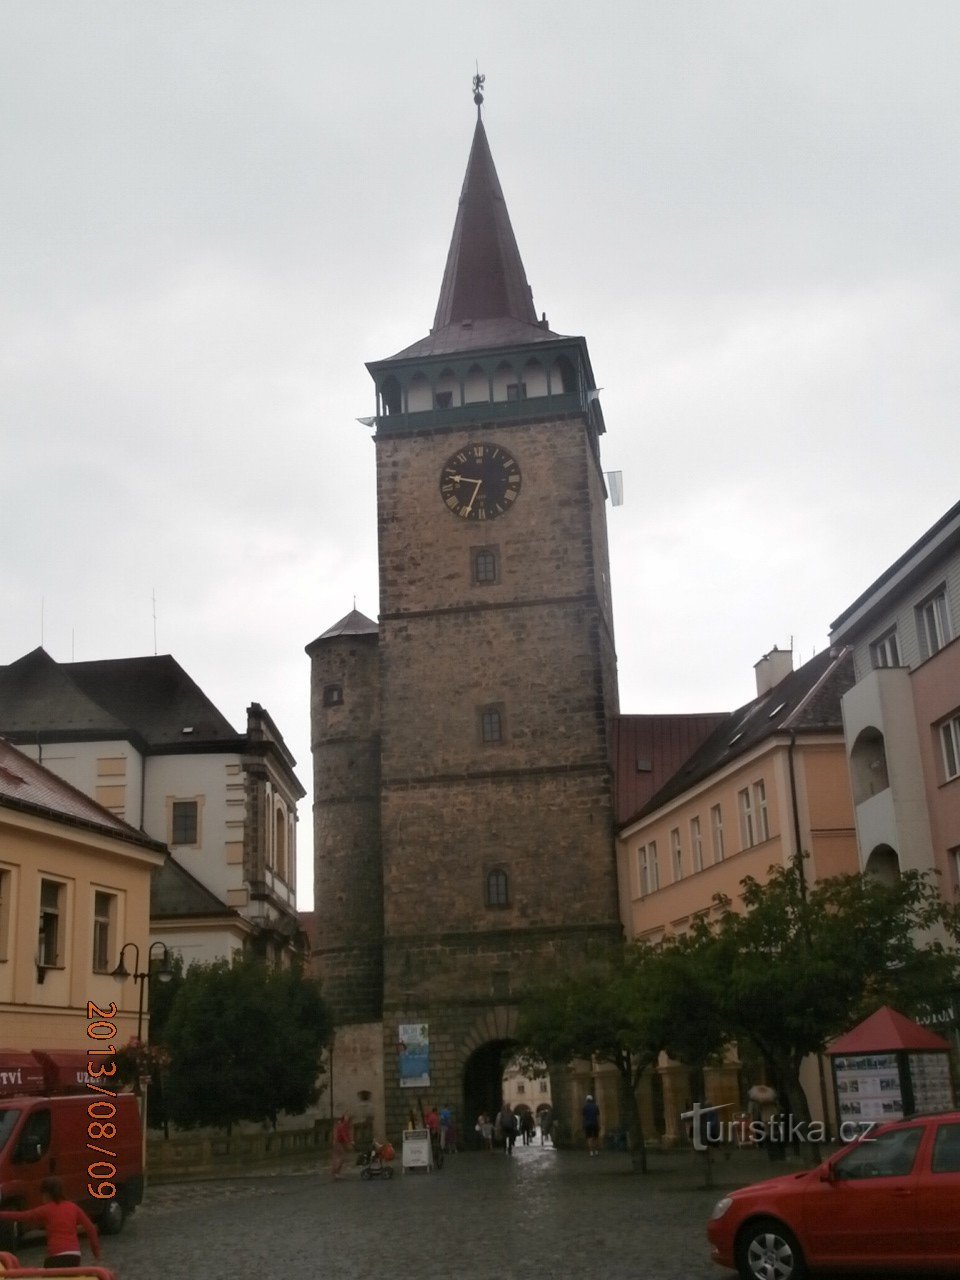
x: 417, y: 1151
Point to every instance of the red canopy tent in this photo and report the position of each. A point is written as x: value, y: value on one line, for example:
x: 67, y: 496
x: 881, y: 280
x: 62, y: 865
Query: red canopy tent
x: 887, y: 1031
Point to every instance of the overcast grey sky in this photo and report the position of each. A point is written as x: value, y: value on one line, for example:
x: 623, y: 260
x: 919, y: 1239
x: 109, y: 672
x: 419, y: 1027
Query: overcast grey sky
x: 214, y: 212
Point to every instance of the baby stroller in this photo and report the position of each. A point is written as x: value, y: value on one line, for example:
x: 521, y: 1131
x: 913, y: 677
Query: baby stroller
x: 377, y: 1162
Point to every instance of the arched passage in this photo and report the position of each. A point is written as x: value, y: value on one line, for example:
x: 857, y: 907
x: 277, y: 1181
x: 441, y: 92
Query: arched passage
x: 483, y: 1081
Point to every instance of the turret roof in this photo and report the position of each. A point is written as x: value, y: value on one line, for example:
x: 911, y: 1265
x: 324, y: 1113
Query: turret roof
x: 353, y: 623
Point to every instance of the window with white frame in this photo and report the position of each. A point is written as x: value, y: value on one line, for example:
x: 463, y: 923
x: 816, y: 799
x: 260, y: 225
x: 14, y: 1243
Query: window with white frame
x: 760, y: 808
x: 950, y: 741
x: 676, y: 854
x: 933, y: 623
x: 716, y: 830
x: 104, y: 915
x: 647, y: 869
x: 747, y: 832
x: 696, y: 844
x: 50, y: 940
x: 885, y: 652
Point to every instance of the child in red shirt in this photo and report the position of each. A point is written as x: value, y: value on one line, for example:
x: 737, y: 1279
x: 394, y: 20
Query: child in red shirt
x: 60, y: 1219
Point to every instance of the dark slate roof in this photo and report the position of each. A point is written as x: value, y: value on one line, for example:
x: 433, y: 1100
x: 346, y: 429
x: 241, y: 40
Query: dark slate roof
x: 29, y: 788
x: 353, y: 623
x: 477, y: 336
x: 36, y: 694
x: 175, y: 893
x: 647, y: 750
x: 484, y: 276
x: 485, y: 301
x: 150, y: 701
x: 805, y: 701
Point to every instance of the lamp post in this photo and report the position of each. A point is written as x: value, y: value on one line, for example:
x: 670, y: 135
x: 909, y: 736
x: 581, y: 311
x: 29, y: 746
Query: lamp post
x: 163, y: 971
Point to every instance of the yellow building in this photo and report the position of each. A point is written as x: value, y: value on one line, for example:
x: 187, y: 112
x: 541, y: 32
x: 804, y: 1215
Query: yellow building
x: 74, y: 888
x: 764, y: 782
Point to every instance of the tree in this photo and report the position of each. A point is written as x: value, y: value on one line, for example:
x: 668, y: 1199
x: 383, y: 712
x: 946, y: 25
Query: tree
x: 244, y: 1043
x: 798, y: 966
x: 618, y: 1009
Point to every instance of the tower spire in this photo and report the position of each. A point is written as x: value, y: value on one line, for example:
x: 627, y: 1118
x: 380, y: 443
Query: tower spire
x: 484, y: 277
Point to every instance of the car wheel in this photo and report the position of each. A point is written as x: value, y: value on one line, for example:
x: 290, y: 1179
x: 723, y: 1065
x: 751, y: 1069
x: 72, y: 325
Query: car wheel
x: 767, y: 1250
x: 366, y: 1173
x: 112, y: 1215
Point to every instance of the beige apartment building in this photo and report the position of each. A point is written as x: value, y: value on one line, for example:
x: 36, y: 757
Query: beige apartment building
x: 763, y: 782
x: 74, y: 889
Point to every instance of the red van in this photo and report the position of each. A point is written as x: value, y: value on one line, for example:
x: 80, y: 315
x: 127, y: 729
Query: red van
x: 89, y: 1140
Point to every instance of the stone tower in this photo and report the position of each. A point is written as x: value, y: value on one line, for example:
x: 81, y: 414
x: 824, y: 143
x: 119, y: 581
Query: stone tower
x: 497, y: 669
x: 348, y: 881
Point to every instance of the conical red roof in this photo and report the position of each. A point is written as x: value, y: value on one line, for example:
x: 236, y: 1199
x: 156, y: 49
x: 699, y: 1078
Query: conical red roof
x: 886, y: 1031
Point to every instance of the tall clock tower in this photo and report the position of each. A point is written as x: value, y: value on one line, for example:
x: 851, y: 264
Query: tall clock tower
x: 497, y: 668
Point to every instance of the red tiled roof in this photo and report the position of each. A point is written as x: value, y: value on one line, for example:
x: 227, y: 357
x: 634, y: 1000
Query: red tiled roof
x: 24, y: 784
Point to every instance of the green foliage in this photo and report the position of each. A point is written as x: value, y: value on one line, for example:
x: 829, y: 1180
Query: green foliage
x: 797, y: 966
x: 622, y: 1009
x: 244, y: 1042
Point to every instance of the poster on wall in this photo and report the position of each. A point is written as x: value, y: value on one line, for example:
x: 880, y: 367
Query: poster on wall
x: 868, y: 1087
x: 413, y: 1055
x: 930, y: 1078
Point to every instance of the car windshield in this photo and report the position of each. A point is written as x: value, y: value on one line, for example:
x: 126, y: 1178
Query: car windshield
x: 8, y: 1122
x: 889, y: 1155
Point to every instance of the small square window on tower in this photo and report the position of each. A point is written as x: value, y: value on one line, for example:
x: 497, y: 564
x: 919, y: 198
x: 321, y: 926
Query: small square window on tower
x: 485, y: 566
x: 491, y: 725
x: 497, y: 888
x: 333, y: 695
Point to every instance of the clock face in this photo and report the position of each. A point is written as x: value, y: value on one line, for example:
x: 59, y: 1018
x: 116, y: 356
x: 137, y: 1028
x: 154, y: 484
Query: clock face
x: 480, y: 482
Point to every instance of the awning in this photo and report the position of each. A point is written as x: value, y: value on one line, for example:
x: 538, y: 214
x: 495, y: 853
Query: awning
x: 19, y: 1073
x: 65, y: 1070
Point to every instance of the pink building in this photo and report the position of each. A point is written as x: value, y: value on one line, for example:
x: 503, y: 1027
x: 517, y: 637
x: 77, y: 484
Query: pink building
x: 902, y: 717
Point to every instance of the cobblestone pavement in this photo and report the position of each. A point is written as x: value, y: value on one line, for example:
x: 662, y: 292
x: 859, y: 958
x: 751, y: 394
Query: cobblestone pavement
x: 485, y: 1216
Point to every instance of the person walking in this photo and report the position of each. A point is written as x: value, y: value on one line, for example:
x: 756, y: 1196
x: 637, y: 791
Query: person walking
x: 591, y: 1124
x: 527, y: 1127
x: 485, y: 1130
x: 508, y: 1127
x: 62, y: 1220
x: 342, y: 1143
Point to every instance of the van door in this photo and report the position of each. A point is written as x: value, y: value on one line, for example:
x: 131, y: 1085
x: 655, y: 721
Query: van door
x: 32, y: 1155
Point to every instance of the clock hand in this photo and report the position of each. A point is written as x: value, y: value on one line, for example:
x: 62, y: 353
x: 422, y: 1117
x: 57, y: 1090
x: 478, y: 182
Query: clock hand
x: 473, y: 497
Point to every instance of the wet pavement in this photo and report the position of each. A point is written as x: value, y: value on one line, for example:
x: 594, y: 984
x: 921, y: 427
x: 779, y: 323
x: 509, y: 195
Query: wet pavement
x: 485, y: 1216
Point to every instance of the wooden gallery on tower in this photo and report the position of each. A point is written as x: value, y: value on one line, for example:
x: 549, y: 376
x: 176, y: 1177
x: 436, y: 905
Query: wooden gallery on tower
x: 463, y: 792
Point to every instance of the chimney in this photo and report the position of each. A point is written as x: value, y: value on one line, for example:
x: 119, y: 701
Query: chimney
x: 772, y: 668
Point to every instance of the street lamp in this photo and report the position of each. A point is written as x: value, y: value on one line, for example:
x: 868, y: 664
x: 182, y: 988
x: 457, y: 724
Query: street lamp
x: 164, y: 972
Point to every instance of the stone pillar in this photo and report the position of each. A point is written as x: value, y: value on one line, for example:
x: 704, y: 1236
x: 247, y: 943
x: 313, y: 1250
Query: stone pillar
x: 676, y: 1092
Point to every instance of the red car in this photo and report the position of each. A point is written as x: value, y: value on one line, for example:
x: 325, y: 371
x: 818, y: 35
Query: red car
x: 890, y: 1201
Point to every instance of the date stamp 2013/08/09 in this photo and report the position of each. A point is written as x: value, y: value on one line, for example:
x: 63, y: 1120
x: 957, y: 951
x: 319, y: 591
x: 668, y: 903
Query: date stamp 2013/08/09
x: 101, y: 1111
